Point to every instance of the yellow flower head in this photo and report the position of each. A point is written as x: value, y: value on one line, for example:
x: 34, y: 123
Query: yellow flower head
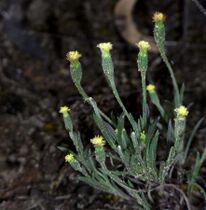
x: 158, y: 17
x: 150, y: 88
x: 73, y: 56
x: 143, y: 45
x: 64, y: 110
x: 181, y: 112
x: 98, y: 141
x: 105, y: 47
x: 69, y: 158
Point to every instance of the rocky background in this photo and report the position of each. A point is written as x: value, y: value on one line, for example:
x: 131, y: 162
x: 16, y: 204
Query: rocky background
x: 34, y: 82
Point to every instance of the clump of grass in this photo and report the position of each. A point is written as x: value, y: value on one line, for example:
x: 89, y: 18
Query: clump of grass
x: 123, y: 161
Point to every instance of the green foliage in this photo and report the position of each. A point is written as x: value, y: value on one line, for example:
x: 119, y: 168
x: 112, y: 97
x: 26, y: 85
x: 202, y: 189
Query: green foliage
x: 127, y: 165
x: 195, y: 172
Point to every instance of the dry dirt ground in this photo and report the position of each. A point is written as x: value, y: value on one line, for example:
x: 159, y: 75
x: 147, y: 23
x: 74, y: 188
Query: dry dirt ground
x: 35, y: 82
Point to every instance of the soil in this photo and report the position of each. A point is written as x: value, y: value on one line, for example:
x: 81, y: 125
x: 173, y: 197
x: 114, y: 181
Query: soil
x: 34, y: 82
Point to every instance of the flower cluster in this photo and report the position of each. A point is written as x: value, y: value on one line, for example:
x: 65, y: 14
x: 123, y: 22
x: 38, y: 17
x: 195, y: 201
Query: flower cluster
x: 144, y: 46
x: 73, y: 56
x: 150, y: 88
x: 64, y: 110
x: 69, y: 158
x: 158, y: 17
x: 105, y: 47
x: 98, y: 141
x: 181, y: 112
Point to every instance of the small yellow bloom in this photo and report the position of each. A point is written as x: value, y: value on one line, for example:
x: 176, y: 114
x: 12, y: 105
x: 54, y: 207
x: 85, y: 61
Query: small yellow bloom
x: 73, y: 56
x: 150, y: 88
x: 105, y: 47
x: 181, y: 112
x: 64, y: 110
x: 69, y: 158
x: 98, y: 141
x: 158, y: 17
x: 143, y: 45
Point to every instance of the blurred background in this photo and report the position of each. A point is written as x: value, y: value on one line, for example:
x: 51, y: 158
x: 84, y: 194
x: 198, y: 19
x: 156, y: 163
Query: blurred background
x: 35, y: 81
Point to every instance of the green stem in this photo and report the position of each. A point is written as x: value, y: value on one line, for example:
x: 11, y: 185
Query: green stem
x: 85, y: 97
x: 115, y: 92
x: 144, y: 96
x: 159, y: 35
x: 114, y: 89
x: 108, y: 68
x: 176, y: 89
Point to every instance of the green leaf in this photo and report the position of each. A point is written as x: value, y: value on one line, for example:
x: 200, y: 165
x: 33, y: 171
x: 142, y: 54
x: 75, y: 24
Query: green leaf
x: 182, y: 90
x: 155, y: 100
x: 97, y: 185
x: 201, y: 189
x: 63, y: 148
x: 153, y: 150
x: 194, y: 131
x: 76, y: 139
x: 170, y: 133
x: 108, y: 137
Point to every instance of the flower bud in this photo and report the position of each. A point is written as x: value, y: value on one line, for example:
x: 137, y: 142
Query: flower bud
x: 105, y: 48
x: 69, y: 158
x: 64, y: 110
x: 179, y: 130
x: 155, y: 99
x: 150, y: 88
x: 74, y: 163
x: 98, y: 141
x: 143, y: 56
x: 75, y: 66
x: 107, y: 63
x: 158, y: 17
x: 143, y: 46
x: 142, y: 137
x: 181, y: 112
x: 159, y: 36
x: 73, y: 56
x: 159, y: 31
